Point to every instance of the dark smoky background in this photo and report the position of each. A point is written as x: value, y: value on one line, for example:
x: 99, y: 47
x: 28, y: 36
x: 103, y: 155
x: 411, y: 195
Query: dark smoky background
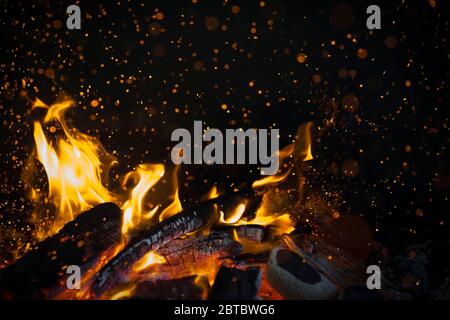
x: 140, y: 69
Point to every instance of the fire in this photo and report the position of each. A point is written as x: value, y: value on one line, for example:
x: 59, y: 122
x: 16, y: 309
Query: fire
x: 282, y: 223
x: 75, y: 166
x: 271, y: 179
x: 148, y: 260
x: 123, y: 294
x: 235, y: 215
x: 175, y: 206
x: 212, y: 194
x: 147, y: 176
x: 172, y: 208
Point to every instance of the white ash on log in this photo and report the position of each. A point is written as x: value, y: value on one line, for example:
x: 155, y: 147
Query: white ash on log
x: 254, y: 232
x: 294, y: 278
x: 176, y: 226
x: 236, y: 284
x: 41, y: 273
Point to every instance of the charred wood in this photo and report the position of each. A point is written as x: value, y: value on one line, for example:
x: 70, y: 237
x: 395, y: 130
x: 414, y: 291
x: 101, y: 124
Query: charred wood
x: 41, y: 273
x: 188, y: 288
x: 236, y: 284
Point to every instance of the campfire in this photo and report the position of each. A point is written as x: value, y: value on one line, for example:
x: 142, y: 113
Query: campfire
x: 127, y: 244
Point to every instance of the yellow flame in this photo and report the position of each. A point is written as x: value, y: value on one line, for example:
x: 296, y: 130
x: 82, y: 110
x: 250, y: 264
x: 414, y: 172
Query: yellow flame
x: 77, y: 167
x: 149, y: 259
x: 171, y: 209
x: 74, y: 166
x: 271, y: 179
x: 281, y: 223
x: 303, y: 141
x: 234, y: 216
x: 147, y: 175
x: 250, y: 246
x: 212, y: 194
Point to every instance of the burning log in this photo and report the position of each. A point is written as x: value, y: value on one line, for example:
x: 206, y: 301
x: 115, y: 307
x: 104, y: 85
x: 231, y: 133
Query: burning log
x: 176, y: 226
x: 41, y: 273
x: 188, y: 288
x: 192, y: 255
x: 209, y: 245
x: 236, y: 284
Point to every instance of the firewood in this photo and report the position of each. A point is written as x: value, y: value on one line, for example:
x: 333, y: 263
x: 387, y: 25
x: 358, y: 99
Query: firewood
x: 176, y: 226
x: 236, y: 284
x: 41, y: 273
x: 192, y: 255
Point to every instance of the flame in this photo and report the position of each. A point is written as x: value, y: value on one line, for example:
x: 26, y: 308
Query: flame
x: 282, y: 223
x: 271, y: 179
x: 148, y: 175
x: 75, y: 167
x: 252, y: 246
x: 235, y: 215
x: 212, y: 194
x: 172, y: 208
x: 308, y: 155
x: 202, y: 282
x: 123, y: 294
x: 303, y: 141
x: 151, y: 258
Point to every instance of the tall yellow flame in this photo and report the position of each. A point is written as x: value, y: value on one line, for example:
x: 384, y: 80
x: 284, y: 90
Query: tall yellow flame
x: 175, y: 206
x: 148, y: 175
x: 74, y: 166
